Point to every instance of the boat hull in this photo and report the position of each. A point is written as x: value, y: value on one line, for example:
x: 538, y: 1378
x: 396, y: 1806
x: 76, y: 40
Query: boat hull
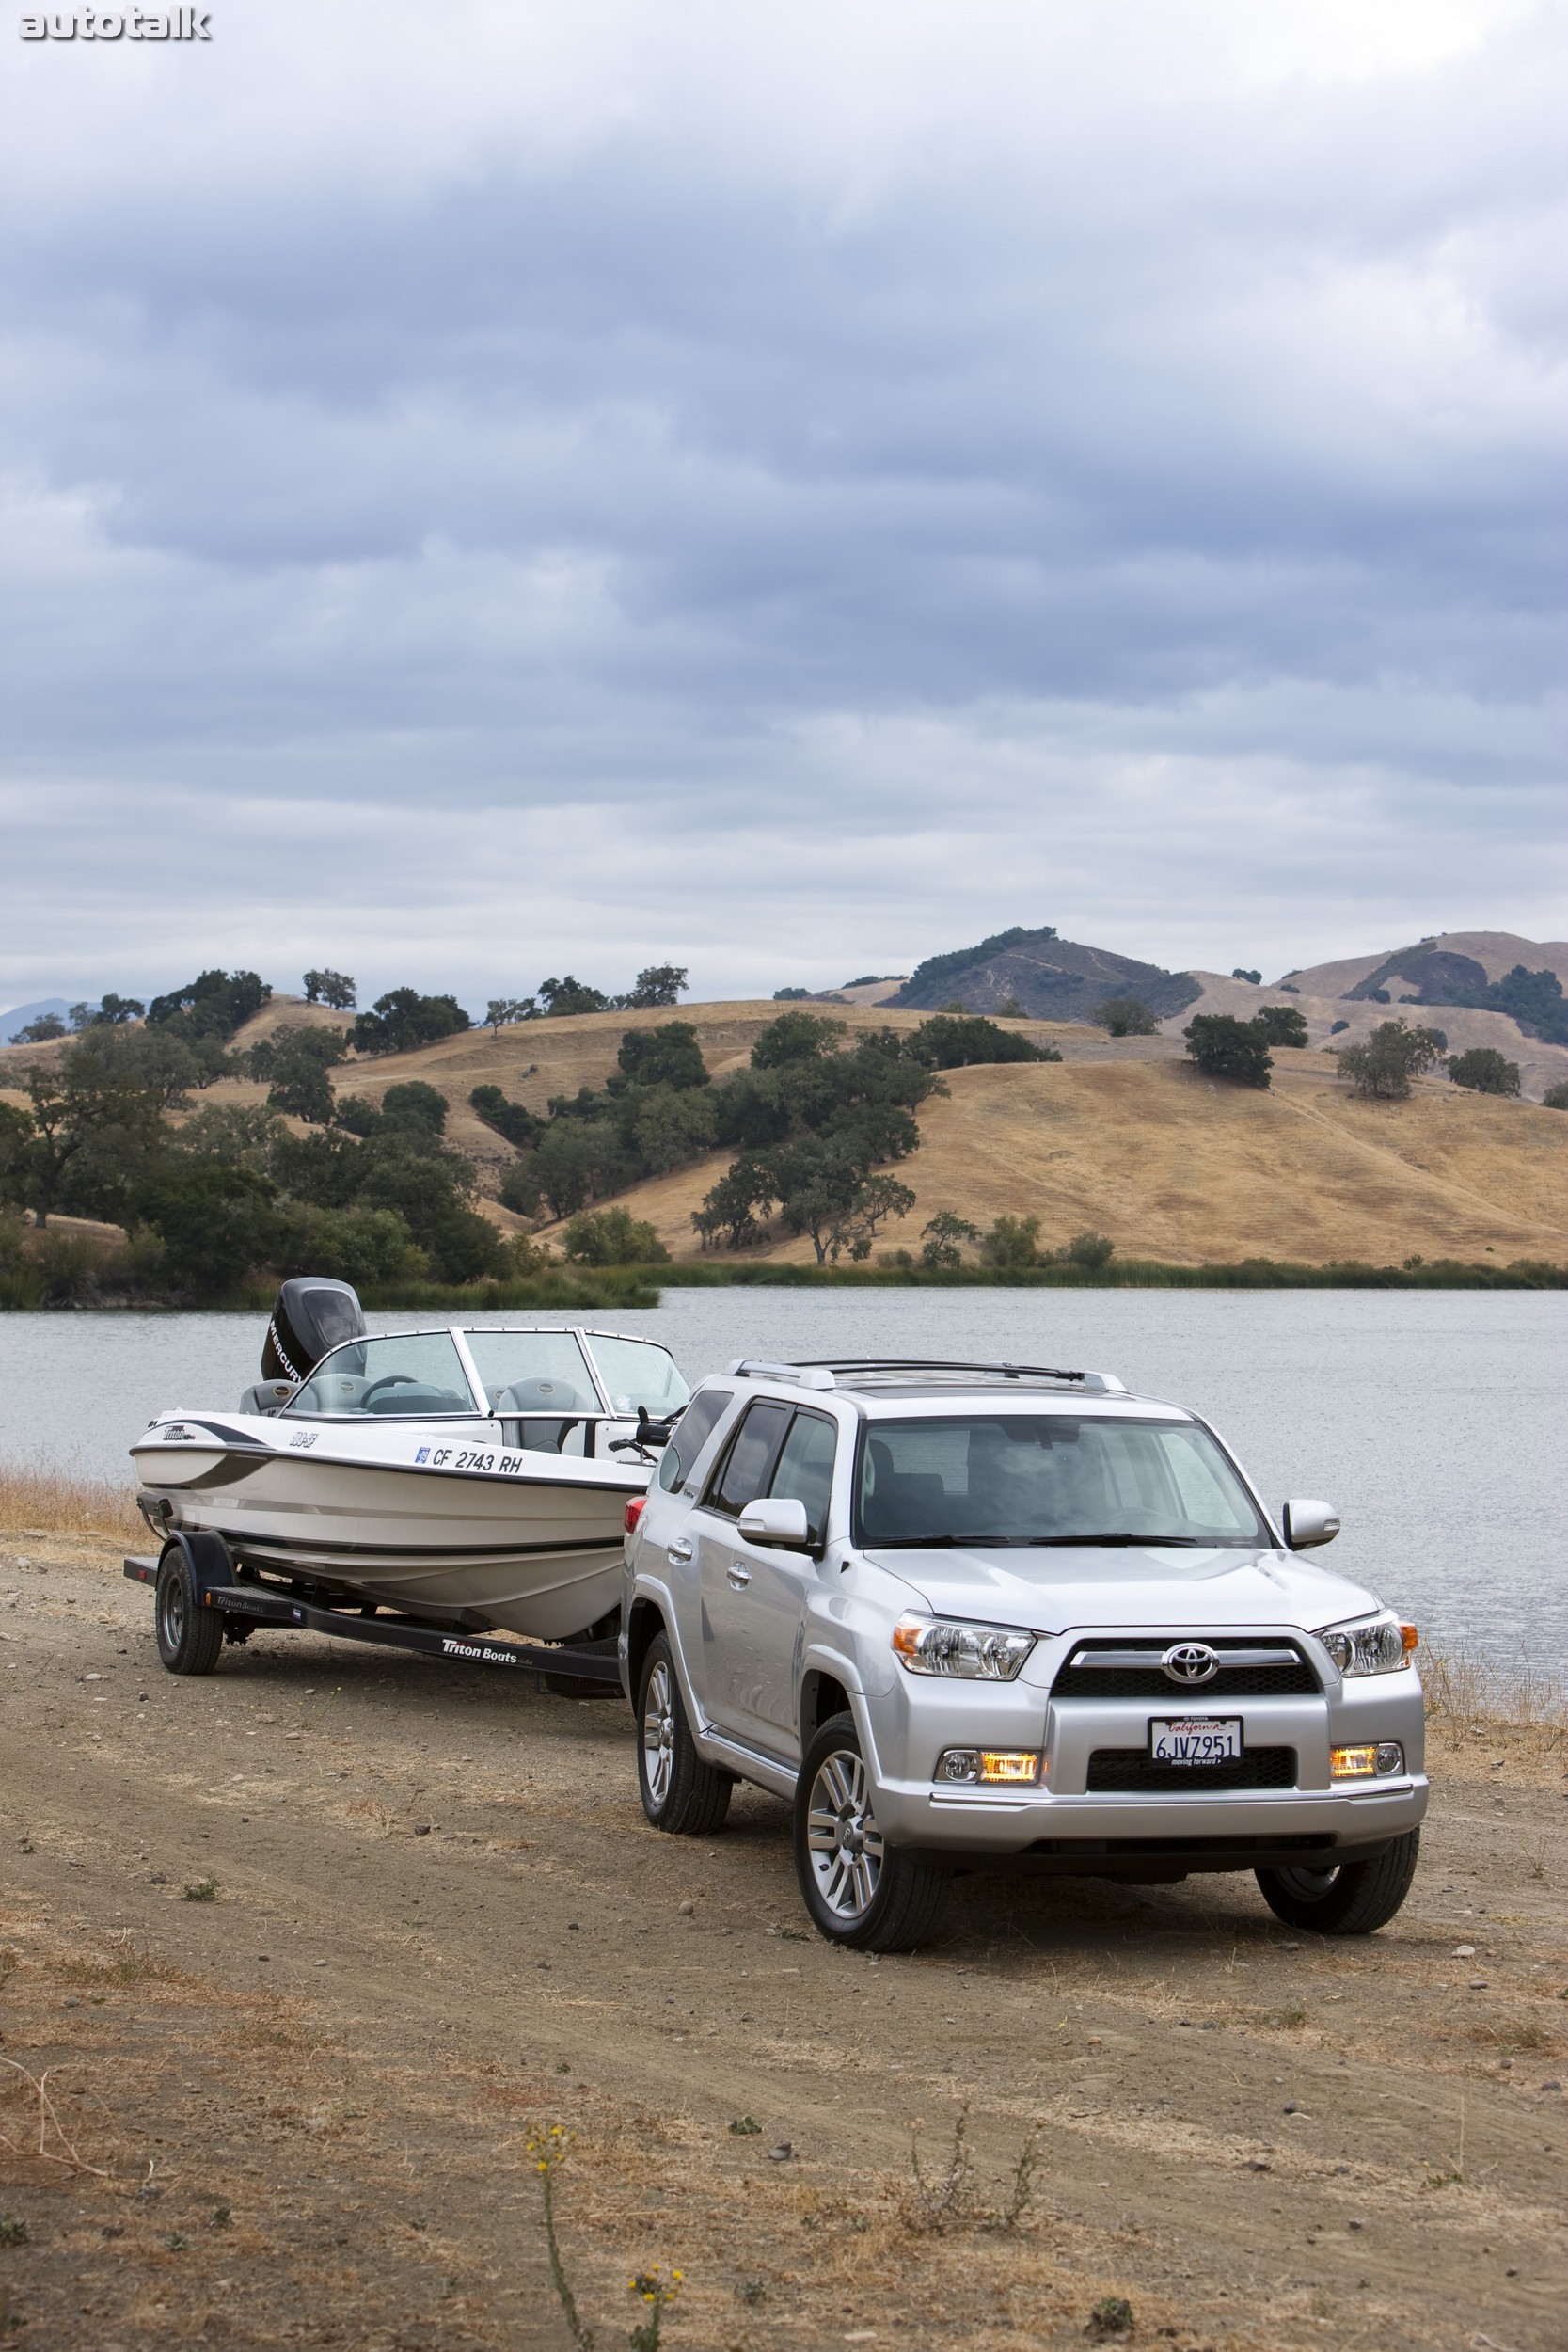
x: 489, y: 1537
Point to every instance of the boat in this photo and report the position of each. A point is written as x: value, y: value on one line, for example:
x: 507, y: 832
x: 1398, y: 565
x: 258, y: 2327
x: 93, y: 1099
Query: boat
x: 474, y: 1477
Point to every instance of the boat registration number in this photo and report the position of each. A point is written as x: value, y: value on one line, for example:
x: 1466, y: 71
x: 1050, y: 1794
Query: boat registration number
x: 1196, y: 1740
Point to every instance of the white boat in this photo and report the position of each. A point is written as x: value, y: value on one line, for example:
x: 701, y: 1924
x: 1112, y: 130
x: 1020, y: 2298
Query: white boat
x: 473, y: 1476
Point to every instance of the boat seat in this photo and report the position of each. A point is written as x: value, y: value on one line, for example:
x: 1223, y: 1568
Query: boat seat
x: 408, y: 1400
x: 543, y: 1396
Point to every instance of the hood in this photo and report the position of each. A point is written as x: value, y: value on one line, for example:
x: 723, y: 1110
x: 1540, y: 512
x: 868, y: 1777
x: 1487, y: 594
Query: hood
x: 1058, y: 1591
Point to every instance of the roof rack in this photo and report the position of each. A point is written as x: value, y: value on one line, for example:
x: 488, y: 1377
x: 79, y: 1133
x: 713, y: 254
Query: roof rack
x: 821, y: 1371
x: 805, y: 1376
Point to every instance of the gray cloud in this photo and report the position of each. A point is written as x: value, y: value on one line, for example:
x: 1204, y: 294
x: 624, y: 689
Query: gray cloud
x: 490, y: 493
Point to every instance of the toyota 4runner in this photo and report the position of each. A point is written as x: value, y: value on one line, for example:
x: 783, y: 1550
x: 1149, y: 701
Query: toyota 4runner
x: 1002, y: 1616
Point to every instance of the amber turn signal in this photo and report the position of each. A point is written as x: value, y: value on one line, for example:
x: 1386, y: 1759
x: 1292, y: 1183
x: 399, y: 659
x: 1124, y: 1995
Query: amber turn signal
x: 1410, y: 1637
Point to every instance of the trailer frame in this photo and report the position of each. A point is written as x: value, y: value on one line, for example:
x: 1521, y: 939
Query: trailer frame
x: 245, y: 1602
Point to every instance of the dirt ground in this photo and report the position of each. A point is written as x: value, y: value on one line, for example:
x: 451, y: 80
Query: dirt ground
x: 298, y: 1959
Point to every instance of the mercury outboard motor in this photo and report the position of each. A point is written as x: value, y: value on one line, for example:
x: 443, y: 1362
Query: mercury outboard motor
x: 312, y: 1315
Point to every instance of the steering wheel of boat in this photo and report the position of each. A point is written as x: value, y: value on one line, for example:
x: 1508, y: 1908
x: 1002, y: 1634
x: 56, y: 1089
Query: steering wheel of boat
x: 387, y: 1380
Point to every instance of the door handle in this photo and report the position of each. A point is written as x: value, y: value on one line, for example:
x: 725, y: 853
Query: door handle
x: 738, y: 1575
x: 679, y: 1553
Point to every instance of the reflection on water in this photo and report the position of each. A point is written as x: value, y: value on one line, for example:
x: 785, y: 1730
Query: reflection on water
x: 1433, y: 1420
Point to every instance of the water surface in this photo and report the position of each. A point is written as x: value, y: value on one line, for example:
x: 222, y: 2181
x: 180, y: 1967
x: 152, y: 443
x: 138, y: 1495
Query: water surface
x: 1433, y: 1420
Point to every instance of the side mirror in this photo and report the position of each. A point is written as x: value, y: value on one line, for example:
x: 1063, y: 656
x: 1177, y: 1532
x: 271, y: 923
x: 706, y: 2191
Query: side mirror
x: 1308, y: 1523
x: 776, y: 1519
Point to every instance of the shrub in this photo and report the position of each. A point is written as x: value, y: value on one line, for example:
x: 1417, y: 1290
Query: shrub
x: 1337, y: 1026
x: 1484, y: 1071
x: 1383, y: 1065
x: 1224, y: 1048
x: 1255, y: 977
x: 955, y: 1042
x: 941, y: 1239
x: 513, y: 1121
x: 1013, y: 1242
x: 329, y: 988
x: 414, y: 1108
x: 1556, y: 1098
x: 1125, y: 1016
x: 1092, y: 1250
x: 1281, y: 1025
x: 403, y: 1019
x: 611, y: 1237
x: 790, y: 996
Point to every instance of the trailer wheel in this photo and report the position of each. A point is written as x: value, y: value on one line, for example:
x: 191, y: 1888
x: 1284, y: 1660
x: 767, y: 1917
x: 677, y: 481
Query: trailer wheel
x: 189, y: 1636
x: 680, y: 1792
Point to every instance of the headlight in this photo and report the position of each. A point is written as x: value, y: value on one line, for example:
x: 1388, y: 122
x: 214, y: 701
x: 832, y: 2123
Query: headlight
x: 973, y: 1653
x: 1367, y: 1649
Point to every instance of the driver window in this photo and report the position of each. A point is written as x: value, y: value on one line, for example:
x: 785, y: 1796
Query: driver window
x: 415, y: 1376
x: 805, y: 1471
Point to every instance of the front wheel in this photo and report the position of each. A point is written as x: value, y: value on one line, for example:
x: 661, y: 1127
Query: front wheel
x: 681, y: 1793
x: 189, y: 1636
x: 859, y: 1892
x: 1355, y: 1899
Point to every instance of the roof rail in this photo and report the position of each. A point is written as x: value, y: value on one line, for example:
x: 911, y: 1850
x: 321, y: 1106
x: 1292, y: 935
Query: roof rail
x: 819, y: 1372
x: 805, y: 1376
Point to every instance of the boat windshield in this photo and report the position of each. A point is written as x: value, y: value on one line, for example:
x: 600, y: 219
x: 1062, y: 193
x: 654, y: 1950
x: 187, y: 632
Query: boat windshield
x: 637, y: 1371
x: 1049, y: 1479
x: 415, y: 1375
x: 533, y: 1372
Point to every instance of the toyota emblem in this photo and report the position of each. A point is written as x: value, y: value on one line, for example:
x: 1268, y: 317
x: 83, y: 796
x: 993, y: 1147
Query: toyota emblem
x: 1190, y: 1662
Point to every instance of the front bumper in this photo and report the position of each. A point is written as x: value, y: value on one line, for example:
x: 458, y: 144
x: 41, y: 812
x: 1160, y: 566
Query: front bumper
x: 1066, y: 1818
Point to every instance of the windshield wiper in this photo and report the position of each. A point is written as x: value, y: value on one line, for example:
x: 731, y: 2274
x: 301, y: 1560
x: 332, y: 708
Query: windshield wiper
x: 1119, y: 1537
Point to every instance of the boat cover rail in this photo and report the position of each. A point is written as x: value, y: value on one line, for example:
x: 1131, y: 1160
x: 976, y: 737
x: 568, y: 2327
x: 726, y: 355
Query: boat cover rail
x: 262, y: 1604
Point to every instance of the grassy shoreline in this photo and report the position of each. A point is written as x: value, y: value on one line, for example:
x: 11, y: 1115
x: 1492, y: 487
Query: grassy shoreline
x: 634, y: 1286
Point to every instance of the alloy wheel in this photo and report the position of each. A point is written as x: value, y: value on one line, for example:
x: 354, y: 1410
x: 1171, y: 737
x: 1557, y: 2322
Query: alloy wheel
x: 659, y: 1733
x: 844, y: 1844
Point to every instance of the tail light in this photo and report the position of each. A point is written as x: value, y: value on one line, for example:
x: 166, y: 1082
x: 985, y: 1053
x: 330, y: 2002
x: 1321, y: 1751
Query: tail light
x: 634, y: 1511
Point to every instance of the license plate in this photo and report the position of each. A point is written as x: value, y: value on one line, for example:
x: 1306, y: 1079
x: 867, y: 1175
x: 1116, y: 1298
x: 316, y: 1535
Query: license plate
x: 1196, y: 1740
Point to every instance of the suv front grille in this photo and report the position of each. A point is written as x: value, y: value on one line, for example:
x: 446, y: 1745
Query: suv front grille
x: 1131, y: 1670
x: 1129, y: 1771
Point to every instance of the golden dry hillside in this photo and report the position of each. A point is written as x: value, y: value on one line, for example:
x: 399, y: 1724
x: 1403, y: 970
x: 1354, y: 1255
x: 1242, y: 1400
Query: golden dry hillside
x: 1123, y: 1136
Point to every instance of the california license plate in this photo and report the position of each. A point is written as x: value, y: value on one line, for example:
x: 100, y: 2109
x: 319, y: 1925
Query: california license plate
x: 1196, y: 1740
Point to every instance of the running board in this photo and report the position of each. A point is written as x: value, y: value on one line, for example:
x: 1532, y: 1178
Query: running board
x: 259, y: 1605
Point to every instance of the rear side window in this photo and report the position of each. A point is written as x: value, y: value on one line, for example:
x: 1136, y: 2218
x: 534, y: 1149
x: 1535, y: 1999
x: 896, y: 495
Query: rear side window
x: 692, y: 1431
x: 744, y: 1472
x: 805, y: 1468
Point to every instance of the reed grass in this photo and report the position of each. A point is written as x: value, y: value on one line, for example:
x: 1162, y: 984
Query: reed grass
x: 1464, y: 1689
x: 55, y: 1502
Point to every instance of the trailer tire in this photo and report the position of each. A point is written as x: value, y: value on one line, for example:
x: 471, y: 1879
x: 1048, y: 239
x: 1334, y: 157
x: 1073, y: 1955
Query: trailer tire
x: 681, y: 1794
x: 189, y: 1635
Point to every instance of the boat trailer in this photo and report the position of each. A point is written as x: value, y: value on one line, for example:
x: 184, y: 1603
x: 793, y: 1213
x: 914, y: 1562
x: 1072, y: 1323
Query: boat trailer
x: 243, y: 1603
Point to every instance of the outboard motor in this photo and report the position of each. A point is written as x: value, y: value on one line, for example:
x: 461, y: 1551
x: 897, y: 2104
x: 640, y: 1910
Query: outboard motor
x: 312, y: 1315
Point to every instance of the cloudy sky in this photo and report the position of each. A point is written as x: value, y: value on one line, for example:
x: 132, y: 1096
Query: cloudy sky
x: 494, y: 488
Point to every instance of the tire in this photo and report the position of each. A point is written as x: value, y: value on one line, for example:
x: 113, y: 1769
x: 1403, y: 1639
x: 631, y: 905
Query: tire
x: 189, y: 1636
x: 1355, y: 1899
x: 681, y: 1794
x: 859, y: 1892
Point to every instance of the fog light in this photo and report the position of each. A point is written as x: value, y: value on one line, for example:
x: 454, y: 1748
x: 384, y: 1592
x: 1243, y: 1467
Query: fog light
x: 1390, y: 1758
x: 1011, y: 1768
x: 1355, y: 1763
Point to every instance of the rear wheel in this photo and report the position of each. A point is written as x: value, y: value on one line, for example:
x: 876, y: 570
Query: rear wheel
x: 1355, y: 1899
x: 189, y: 1636
x: 858, y: 1891
x: 681, y: 1793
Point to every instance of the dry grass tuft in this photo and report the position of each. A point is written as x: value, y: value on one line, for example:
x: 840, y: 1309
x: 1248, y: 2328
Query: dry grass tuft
x: 1464, y: 1690
x: 54, y: 1503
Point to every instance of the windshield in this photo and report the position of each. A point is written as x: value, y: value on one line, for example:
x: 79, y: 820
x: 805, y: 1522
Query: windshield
x: 637, y: 1371
x: 532, y: 1371
x: 415, y: 1373
x: 1015, y: 1478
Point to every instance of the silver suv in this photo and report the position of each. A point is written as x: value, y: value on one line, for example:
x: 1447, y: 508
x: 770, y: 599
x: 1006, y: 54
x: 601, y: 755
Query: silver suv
x: 1009, y: 1617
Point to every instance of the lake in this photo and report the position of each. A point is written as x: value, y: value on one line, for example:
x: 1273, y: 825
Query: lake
x: 1433, y: 1420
